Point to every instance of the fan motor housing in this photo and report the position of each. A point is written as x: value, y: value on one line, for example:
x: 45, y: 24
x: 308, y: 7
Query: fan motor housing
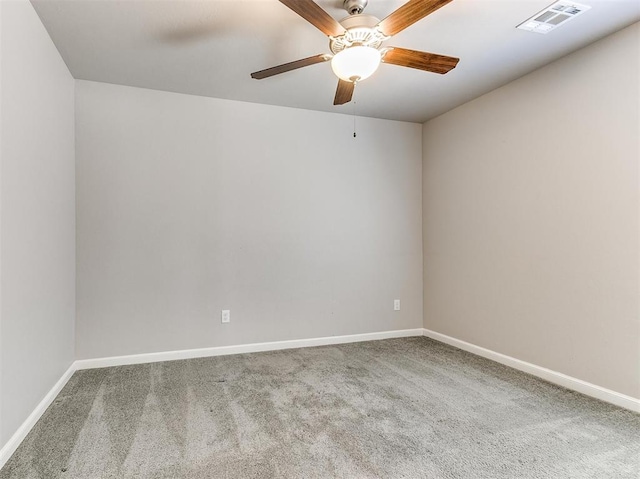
x: 360, y: 31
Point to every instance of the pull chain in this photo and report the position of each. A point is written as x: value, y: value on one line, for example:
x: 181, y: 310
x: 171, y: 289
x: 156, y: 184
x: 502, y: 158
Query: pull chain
x: 354, y: 119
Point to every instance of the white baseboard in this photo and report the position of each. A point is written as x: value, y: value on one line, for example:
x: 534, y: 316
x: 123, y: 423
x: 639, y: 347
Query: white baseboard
x: 12, y: 444
x: 242, y: 348
x: 554, y: 377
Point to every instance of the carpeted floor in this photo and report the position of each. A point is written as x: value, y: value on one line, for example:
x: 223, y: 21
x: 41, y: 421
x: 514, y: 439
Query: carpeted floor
x: 399, y: 408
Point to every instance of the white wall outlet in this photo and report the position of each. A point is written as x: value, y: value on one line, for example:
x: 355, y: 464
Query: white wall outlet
x: 226, y: 316
x: 396, y: 305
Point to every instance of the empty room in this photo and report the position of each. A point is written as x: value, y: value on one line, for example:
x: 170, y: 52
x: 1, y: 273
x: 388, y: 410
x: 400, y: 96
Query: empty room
x: 319, y: 239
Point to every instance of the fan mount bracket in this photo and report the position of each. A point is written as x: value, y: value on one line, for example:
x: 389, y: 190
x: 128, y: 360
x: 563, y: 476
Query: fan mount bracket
x: 354, y: 7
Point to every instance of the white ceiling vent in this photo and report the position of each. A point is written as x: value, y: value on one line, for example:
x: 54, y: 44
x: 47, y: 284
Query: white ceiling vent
x: 553, y: 16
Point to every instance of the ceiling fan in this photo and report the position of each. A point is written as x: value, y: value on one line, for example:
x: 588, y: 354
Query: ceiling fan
x: 356, y: 43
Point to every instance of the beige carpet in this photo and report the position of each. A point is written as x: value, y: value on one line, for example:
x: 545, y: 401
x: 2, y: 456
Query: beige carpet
x: 400, y: 408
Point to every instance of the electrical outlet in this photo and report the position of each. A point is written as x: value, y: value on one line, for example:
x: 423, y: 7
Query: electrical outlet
x: 226, y: 316
x: 396, y: 305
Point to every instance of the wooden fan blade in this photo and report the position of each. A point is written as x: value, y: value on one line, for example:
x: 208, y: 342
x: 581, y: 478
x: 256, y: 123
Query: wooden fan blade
x: 287, y: 67
x: 408, y: 14
x: 314, y: 14
x: 344, y: 92
x: 421, y: 60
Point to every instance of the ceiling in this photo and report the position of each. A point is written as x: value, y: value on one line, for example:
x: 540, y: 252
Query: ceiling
x: 210, y: 47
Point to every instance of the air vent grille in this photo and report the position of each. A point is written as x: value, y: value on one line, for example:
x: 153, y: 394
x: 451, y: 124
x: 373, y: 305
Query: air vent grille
x: 553, y: 16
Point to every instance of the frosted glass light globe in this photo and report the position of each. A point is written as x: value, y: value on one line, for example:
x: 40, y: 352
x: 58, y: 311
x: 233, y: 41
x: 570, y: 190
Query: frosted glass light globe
x: 356, y: 63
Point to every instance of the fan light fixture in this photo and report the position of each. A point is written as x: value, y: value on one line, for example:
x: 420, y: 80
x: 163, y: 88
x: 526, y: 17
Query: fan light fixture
x: 356, y: 63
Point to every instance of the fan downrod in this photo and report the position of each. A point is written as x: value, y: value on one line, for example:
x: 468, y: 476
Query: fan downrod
x: 354, y: 7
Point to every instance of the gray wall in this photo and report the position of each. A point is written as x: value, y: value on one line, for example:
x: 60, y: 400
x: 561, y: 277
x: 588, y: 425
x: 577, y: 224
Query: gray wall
x: 531, y: 217
x: 37, y: 220
x: 187, y: 205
